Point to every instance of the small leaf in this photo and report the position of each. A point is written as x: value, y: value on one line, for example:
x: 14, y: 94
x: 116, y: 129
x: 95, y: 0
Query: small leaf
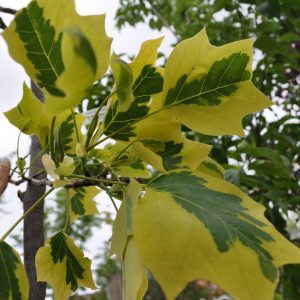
x: 50, y: 166
x: 209, y: 88
x: 135, y: 282
x: 123, y: 78
x: 29, y: 117
x: 13, y: 279
x: 203, y: 227
x: 66, y: 167
x: 81, y: 202
x: 174, y: 151
x: 64, y: 266
x: 122, y: 227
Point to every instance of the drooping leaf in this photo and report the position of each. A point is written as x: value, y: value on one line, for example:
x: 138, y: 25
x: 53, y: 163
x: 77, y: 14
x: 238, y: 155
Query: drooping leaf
x: 209, y: 88
x: 13, y: 278
x: 210, y: 230
x: 61, y: 263
x: 123, y: 78
x: 147, y: 81
x: 34, y: 40
x: 29, y: 117
x: 135, y: 282
x: 81, y: 202
x: 122, y: 227
x: 169, y: 149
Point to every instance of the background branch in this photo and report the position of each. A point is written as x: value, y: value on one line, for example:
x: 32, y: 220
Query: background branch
x: 8, y: 10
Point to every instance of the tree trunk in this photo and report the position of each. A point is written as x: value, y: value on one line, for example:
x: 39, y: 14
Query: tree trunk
x: 34, y: 222
x: 114, y: 287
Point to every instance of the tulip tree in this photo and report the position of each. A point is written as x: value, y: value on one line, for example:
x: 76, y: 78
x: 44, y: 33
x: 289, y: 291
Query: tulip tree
x: 177, y: 217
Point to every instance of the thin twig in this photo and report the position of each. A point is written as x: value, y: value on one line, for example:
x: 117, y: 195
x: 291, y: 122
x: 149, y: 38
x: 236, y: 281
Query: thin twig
x: 8, y: 10
x: 2, y: 24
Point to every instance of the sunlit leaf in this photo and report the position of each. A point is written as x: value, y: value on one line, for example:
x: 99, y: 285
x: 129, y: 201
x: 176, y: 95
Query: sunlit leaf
x: 63, y: 265
x: 212, y: 168
x: 209, y: 88
x: 13, y: 278
x: 210, y: 230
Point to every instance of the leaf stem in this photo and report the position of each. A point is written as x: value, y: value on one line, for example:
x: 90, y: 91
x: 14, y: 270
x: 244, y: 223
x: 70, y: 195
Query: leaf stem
x: 26, y: 213
x: 75, y: 125
x: 96, y: 179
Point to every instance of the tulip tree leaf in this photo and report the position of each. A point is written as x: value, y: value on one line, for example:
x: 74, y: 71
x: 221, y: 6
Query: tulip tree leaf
x: 212, y: 168
x: 135, y: 282
x: 61, y: 263
x: 169, y: 149
x: 123, y: 78
x: 13, y: 279
x: 29, y: 117
x: 34, y: 40
x: 79, y: 74
x: 209, y: 88
x: 81, y: 202
x: 211, y: 230
x: 122, y: 227
x: 147, y: 81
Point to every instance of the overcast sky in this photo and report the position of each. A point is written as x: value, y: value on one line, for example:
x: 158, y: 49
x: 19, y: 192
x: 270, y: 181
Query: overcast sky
x: 12, y: 77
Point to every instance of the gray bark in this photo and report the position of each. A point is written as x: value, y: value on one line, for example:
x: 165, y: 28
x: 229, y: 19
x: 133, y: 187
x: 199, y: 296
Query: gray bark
x: 34, y: 222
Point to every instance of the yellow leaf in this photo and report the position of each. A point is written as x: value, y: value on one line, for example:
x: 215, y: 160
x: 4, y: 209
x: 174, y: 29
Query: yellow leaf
x: 66, y: 167
x: 134, y: 273
x: 192, y: 226
x: 122, y: 227
x: 29, y: 117
x: 50, y: 166
x: 212, y: 168
x: 209, y: 88
x: 63, y: 265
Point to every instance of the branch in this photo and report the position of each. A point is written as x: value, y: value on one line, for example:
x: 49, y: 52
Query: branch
x: 2, y: 24
x: 8, y: 10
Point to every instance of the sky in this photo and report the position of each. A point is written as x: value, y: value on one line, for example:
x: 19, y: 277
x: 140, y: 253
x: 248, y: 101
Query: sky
x: 12, y: 77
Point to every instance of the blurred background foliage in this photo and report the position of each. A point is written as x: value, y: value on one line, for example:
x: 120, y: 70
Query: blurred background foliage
x: 266, y: 162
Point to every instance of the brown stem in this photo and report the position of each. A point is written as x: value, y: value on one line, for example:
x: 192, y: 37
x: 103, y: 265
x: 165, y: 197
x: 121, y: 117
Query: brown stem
x: 8, y: 10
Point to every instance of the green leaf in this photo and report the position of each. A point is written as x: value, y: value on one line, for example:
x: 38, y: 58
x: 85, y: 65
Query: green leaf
x: 13, y: 279
x: 209, y: 88
x: 123, y: 78
x: 81, y: 202
x: 135, y: 280
x: 34, y: 40
x: 122, y: 227
x: 210, y: 230
x: 63, y: 265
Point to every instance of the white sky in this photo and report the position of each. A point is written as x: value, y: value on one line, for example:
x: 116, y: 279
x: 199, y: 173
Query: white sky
x: 12, y: 77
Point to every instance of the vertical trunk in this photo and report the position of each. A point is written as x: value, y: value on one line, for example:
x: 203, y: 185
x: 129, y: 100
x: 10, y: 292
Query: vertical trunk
x: 34, y: 222
x: 114, y: 287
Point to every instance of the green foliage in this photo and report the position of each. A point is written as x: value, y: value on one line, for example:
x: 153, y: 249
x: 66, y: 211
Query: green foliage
x: 179, y: 218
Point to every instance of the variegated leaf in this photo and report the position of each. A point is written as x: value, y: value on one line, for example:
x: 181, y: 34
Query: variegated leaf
x: 210, y: 230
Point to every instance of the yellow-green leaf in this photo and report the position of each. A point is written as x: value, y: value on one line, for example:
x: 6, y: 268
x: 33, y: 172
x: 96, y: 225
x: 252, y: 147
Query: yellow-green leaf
x: 122, y: 227
x: 82, y: 202
x: 79, y: 73
x: 212, y: 168
x: 135, y: 280
x: 147, y: 81
x: 28, y: 116
x: 163, y: 145
x: 13, y: 279
x: 63, y: 265
x: 50, y: 166
x: 34, y: 40
x: 209, y: 88
x: 190, y: 225
x: 123, y: 78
